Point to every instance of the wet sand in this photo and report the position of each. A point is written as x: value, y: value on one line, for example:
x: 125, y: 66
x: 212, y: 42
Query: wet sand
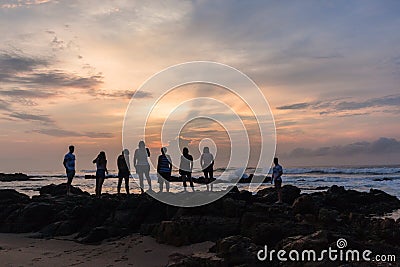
x: 134, y: 250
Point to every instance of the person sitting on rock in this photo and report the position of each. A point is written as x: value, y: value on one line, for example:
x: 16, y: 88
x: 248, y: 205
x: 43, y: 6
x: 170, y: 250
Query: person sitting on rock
x: 277, y: 172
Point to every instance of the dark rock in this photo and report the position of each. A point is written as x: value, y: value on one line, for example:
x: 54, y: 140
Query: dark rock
x: 60, y: 190
x: 316, y: 241
x: 194, y: 229
x: 95, y: 236
x: 304, y: 205
x: 32, y: 217
x: 13, y: 177
x: 237, y: 250
x: 328, y: 217
x: 11, y: 196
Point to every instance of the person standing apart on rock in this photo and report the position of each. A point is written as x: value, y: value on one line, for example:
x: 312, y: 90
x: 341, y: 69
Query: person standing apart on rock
x: 101, y: 166
x: 185, y: 168
x: 142, y: 165
x: 69, y: 164
x: 277, y: 172
x: 123, y: 170
x: 207, y: 164
x: 164, y: 169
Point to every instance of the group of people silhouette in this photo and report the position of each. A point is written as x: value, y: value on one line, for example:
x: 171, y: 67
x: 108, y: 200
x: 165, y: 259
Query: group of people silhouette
x: 142, y: 167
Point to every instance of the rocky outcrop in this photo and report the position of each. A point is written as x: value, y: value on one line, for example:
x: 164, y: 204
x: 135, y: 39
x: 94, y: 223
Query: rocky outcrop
x: 10, y: 177
x: 239, y: 223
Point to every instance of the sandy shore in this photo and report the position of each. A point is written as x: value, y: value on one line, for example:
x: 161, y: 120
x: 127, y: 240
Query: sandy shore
x: 134, y: 250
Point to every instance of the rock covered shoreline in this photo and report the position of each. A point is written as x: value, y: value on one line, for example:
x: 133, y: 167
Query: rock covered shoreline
x: 239, y: 223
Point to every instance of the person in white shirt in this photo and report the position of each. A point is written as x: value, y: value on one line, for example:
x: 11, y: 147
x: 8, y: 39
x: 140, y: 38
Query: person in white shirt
x: 277, y: 172
x: 69, y: 165
x: 207, y: 164
x: 141, y: 164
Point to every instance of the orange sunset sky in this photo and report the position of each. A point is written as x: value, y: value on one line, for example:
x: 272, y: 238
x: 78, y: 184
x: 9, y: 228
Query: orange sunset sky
x: 330, y: 71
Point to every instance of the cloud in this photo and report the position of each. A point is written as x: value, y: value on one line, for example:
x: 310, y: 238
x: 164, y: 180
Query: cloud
x: 381, y: 146
x: 338, y: 106
x: 122, y: 94
x: 295, y: 106
x: 12, y: 63
x: 31, y: 117
x: 57, y: 79
x: 27, y: 93
x: 4, y: 105
x: 57, y: 132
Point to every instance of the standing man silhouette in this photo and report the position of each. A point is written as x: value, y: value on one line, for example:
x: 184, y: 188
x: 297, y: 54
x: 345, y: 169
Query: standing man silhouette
x: 123, y: 170
x: 69, y: 164
x: 277, y: 172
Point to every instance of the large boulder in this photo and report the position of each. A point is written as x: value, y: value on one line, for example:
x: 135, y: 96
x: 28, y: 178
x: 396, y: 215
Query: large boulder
x: 194, y: 229
x: 9, y: 177
x: 10, y: 196
x: 60, y: 190
x: 289, y: 194
x: 304, y: 205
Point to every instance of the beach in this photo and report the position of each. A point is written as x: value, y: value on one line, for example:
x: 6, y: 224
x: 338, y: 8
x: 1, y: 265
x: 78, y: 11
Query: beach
x: 133, y: 250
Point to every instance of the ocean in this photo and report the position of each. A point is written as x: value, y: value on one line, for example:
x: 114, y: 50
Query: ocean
x: 310, y: 179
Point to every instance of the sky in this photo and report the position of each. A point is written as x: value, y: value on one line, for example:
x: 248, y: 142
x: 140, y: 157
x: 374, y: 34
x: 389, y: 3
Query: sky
x: 330, y: 71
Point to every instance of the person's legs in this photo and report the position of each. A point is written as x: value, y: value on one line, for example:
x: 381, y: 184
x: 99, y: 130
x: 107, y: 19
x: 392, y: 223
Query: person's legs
x: 211, y: 178
x: 160, y: 181
x: 140, y: 173
x: 191, y: 180
x: 127, y: 184
x: 70, y: 176
x: 278, y: 186
x: 97, y: 184
x: 206, y: 179
x: 101, y: 181
x: 119, y: 184
x: 147, y: 173
x: 184, y: 180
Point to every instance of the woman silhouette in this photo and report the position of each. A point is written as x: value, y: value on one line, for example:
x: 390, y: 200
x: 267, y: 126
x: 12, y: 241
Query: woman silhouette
x: 101, y: 165
x: 142, y: 165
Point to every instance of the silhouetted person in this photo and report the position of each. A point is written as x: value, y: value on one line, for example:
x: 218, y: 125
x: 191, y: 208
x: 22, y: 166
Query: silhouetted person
x: 164, y: 169
x: 207, y: 164
x: 185, y: 167
x: 142, y: 165
x: 277, y: 172
x: 123, y: 170
x: 69, y: 164
x: 101, y: 166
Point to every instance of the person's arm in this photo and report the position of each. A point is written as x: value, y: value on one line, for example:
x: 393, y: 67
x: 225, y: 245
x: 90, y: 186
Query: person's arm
x: 202, y: 161
x: 94, y: 161
x: 191, y: 163
x: 134, y: 159
x: 158, y: 164
x: 105, y: 165
x: 169, y: 163
x: 65, y: 162
x: 280, y: 172
x: 148, y: 151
